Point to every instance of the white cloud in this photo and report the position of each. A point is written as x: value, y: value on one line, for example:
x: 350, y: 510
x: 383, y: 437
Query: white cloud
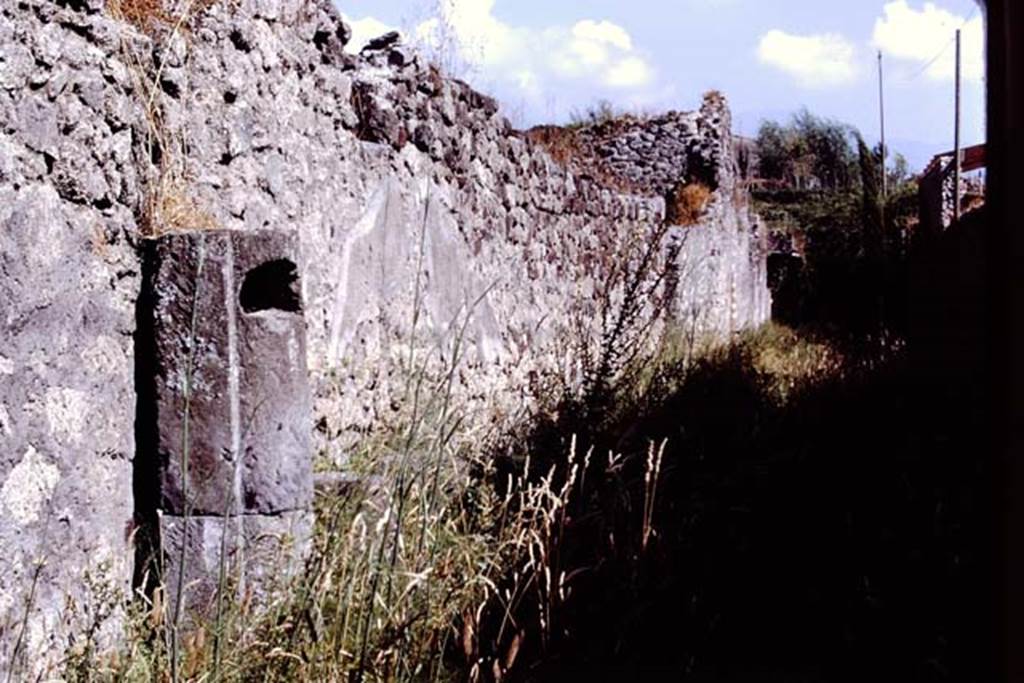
x: 918, y: 36
x: 629, y: 73
x: 816, y: 61
x: 602, y: 32
x: 598, y: 52
x: 583, y: 61
x: 364, y: 30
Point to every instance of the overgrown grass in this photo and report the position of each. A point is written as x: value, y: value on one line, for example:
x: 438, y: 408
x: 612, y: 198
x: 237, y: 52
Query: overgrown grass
x: 599, y: 113
x: 428, y: 570
x: 818, y: 518
x: 779, y: 507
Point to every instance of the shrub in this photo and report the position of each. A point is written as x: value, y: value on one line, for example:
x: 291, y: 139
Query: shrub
x: 601, y: 112
x: 808, y: 152
x: 687, y: 203
x: 144, y: 15
x: 561, y: 143
x: 150, y: 15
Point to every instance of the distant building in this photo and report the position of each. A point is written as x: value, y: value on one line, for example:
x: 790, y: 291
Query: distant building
x: 936, y: 189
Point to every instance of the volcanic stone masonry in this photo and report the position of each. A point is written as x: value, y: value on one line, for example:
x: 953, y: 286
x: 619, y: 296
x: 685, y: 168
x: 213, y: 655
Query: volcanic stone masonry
x: 373, y: 189
x: 229, y: 410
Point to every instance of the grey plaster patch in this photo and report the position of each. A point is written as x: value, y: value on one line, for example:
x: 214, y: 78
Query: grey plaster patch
x: 105, y: 354
x: 66, y: 412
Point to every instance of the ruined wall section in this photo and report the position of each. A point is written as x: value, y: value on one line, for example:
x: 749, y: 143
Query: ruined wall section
x: 653, y: 155
x: 68, y: 285
x: 412, y: 200
x: 386, y: 169
x: 721, y: 257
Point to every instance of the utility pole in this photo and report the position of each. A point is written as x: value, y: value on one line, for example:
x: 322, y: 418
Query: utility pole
x: 881, y: 115
x: 956, y: 138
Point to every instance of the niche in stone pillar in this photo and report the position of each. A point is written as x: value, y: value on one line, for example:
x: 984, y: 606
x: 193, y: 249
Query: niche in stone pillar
x: 231, y: 409
x: 271, y: 286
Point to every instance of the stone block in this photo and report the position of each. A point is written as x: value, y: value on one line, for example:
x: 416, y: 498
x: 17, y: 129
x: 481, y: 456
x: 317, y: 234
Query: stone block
x: 251, y: 555
x: 232, y: 403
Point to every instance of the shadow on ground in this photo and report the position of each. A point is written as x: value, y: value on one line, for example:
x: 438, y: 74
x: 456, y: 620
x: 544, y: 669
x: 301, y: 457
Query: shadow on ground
x: 824, y: 528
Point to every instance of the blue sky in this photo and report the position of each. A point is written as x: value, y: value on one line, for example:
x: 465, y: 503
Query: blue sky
x: 545, y: 58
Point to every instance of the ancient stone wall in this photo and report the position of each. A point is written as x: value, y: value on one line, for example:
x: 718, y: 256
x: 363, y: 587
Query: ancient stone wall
x: 68, y: 283
x: 655, y: 154
x: 412, y: 201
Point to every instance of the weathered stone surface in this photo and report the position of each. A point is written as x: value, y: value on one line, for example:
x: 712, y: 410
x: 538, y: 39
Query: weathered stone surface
x: 258, y: 554
x: 359, y: 175
x: 655, y: 154
x: 68, y: 283
x: 383, y: 42
x: 470, y: 227
x: 229, y: 407
x: 232, y: 405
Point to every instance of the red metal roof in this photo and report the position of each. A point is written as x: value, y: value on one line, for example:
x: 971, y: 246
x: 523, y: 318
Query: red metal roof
x: 973, y: 159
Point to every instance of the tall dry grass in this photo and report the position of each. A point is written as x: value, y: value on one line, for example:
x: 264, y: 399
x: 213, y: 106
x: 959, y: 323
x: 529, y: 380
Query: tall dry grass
x: 171, y: 203
x: 428, y: 570
x: 441, y: 563
x: 687, y: 203
x: 573, y: 551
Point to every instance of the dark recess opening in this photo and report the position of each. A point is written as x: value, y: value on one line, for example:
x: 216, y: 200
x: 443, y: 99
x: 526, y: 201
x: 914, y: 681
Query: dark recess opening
x: 271, y: 286
x: 147, y: 465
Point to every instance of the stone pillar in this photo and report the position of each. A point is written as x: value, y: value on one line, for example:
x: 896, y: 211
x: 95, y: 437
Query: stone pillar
x: 231, y: 417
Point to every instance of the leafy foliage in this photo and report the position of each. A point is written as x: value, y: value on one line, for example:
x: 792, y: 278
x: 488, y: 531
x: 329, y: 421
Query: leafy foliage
x: 808, y: 153
x: 850, y: 244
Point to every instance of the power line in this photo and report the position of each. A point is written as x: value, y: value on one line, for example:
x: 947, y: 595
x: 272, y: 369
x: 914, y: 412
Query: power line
x: 956, y: 137
x: 881, y: 112
x: 928, y: 65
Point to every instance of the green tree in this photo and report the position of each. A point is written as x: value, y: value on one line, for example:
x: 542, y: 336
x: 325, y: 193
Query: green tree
x: 852, y: 241
x: 772, y: 150
x: 828, y: 144
x: 808, y: 153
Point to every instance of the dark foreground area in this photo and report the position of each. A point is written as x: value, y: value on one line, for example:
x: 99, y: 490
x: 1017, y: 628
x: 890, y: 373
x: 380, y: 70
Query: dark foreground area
x: 820, y: 516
